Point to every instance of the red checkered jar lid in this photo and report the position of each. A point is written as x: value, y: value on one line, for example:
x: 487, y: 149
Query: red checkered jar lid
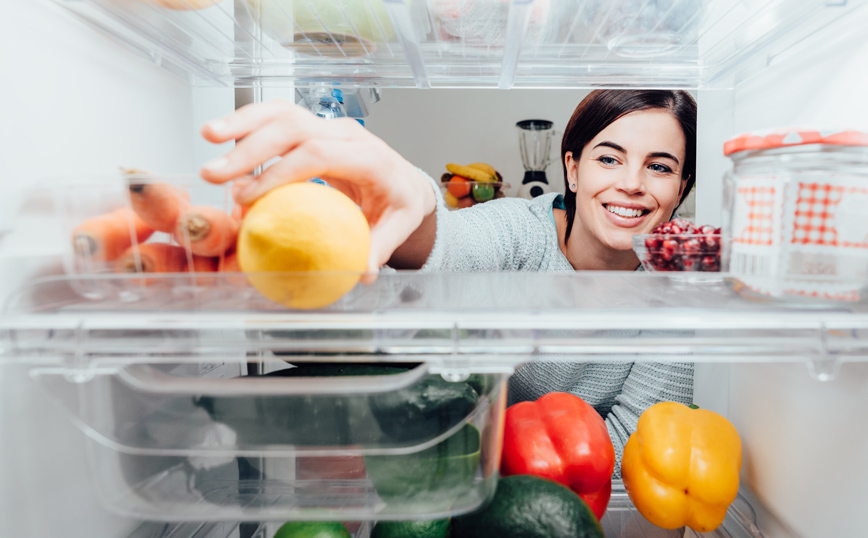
x: 794, y: 136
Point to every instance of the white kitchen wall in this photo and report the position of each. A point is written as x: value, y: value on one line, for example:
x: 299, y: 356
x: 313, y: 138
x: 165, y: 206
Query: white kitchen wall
x: 72, y: 102
x: 806, y: 448
x: 431, y: 128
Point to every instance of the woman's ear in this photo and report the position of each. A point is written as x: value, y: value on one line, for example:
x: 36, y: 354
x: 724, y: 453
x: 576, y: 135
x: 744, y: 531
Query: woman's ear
x: 572, y: 171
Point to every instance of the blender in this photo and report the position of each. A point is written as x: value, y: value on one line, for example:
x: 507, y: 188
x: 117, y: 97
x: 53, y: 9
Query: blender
x: 535, y: 144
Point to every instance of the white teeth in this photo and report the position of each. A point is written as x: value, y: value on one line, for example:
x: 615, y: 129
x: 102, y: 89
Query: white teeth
x: 624, y: 212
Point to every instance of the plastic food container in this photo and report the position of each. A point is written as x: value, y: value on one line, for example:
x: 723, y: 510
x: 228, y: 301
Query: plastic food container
x: 796, y: 212
x: 637, y: 28
x: 678, y: 252
x: 198, y: 441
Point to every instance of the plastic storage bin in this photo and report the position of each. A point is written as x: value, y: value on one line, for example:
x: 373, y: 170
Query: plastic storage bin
x: 795, y: 204
x: 196, y: 441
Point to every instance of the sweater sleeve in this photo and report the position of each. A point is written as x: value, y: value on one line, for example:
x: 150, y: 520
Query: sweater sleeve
x: 499, y: 235
x: 647, y: 384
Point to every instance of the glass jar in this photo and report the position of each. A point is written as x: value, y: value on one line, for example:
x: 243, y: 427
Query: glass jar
x: 796, y: 213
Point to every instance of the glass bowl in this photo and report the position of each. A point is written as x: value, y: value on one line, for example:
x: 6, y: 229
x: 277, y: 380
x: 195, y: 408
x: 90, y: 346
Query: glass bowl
x: 678, y: 252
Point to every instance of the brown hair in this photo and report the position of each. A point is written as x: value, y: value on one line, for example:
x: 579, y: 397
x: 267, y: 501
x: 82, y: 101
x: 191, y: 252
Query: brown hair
x: 602, y: 107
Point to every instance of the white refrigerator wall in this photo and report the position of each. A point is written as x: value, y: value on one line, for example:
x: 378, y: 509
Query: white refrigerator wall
x: 72, y: 102
x: 807, y: 446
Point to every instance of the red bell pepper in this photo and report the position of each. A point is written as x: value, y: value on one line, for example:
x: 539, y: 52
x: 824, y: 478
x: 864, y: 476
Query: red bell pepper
x: 563, y: 438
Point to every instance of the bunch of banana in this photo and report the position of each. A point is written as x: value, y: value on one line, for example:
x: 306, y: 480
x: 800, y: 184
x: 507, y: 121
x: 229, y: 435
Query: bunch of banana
x: 471, y: 184
x: 474, y: 172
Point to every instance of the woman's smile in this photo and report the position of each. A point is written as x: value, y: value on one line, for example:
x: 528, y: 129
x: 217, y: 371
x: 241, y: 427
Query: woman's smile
x: 625, y: 214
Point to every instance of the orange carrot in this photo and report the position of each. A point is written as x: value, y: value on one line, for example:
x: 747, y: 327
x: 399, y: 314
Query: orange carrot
x: 229, y: 263
x: 158, y: 204
x: 106, y: 237
x: 206, y: 231
x: 203, y: 264
x: 152, y: 258
x: 239, y: 211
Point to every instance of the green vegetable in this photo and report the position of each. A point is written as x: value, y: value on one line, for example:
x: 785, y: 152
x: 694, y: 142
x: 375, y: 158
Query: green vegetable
x: 414, y: 414
x: 312, y: 529
x: 423, y: 410
x: 526, y: 506
x: 432, y: 478
x: 434, y: 528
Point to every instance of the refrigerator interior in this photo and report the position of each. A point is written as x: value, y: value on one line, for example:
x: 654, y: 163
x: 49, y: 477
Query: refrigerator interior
x: 103, y: 91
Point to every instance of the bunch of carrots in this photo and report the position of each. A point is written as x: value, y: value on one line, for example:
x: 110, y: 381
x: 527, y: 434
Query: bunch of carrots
x: 205, y: 235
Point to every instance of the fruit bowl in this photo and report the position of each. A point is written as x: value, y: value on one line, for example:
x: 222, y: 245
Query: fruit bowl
x: 678, y: 252
x: 459, y: 195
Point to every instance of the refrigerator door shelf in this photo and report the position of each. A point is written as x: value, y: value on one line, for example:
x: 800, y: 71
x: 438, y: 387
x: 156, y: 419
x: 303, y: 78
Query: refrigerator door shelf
x: 457, y: 323
x: 480, y: 43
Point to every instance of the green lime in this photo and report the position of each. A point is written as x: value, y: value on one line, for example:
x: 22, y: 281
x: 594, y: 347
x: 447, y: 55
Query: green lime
x: 312, y: 529
x: 483, y: 192
x: 434, y: 528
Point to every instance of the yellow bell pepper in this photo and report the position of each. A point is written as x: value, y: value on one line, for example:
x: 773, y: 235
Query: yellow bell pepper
x: 681, y: 466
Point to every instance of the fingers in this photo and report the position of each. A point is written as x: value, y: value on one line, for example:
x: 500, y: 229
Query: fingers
x: 391, y: 230
x: 272, y: 139
x: 298, y: 166
x: 264, y: 137
x: 246, y: 119
x: 344, y: 164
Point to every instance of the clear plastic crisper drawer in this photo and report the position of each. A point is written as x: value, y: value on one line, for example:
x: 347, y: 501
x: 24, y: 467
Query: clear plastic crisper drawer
x: 464, y: 43
x: 303, y: 441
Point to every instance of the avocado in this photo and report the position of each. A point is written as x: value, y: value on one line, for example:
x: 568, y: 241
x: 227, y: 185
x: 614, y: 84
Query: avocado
x: 526, y: 506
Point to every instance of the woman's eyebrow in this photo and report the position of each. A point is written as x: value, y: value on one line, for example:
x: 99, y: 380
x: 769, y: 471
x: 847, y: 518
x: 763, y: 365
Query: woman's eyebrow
x: 612, y: 145
x: 664, y: 155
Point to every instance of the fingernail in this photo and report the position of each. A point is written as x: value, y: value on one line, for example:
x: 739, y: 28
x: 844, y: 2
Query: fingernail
x: 217, y: 125
x: 216, y: 165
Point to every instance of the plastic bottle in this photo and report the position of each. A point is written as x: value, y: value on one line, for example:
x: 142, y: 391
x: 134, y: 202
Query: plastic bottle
x: 325, y: 103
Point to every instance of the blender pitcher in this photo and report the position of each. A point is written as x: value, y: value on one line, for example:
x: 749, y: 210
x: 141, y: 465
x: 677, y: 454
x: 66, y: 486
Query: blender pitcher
x: 535, y: 144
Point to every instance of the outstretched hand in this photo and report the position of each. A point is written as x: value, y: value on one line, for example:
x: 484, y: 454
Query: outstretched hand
x: 393, y: 195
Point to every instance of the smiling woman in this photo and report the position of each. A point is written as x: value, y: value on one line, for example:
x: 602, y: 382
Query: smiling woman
x: 629, y: 161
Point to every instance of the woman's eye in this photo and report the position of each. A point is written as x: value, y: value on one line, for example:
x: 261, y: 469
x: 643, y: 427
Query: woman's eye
x: 662, y: 168
x: 605, y: 159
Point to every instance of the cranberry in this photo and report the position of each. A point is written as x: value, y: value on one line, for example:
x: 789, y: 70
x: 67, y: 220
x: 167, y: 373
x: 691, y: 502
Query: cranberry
x: 710, y: 263
x: 692, y: 245
x: 692, y: 263
x: 670, y: 246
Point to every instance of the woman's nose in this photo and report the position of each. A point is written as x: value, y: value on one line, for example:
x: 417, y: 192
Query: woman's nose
x: 633, y: 181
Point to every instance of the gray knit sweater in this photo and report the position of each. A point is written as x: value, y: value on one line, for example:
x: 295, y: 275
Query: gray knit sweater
x: 512, y: 234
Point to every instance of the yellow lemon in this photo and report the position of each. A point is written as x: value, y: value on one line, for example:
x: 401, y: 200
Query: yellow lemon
x: 304, y: 245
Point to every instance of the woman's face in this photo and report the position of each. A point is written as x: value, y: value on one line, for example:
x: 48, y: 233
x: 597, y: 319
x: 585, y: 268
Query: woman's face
x: 628, y: 178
